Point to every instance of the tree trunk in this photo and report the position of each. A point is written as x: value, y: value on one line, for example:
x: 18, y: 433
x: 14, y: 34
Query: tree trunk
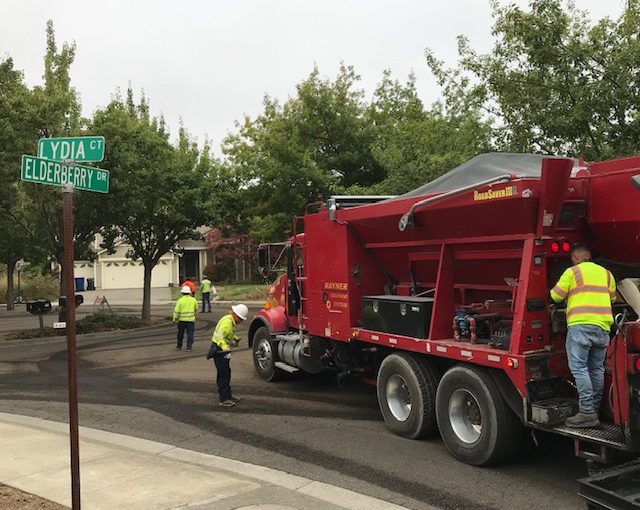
x: 11, y: 265
x: 146, y: 292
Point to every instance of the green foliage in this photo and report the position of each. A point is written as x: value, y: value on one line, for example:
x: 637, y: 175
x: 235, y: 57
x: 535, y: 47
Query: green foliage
x: 33, y: 285
x: 158, y: 192
x: 94, y: 323
x: 297, y: 153
x: 327, y: 140
x: 415, y: 145
x: 97, y: 322
x: 231, y: 292
x: 555, y: 82
x: 30, y: 226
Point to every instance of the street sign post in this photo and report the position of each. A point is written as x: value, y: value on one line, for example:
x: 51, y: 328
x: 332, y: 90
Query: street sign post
x: 56, y: 165
x: 61, y: 173
x: 82, y: 149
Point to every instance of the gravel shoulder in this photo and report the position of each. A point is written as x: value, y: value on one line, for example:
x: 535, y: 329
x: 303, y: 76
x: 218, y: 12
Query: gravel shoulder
x: 15, y: 499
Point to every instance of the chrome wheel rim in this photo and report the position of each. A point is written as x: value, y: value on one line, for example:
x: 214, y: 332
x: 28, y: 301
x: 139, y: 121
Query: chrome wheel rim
x: 398, y: 397
x: 264, y: 354
x: 465, y: 416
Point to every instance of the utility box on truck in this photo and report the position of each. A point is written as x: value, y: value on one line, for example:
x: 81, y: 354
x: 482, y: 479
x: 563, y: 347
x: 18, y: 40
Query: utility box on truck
x: 408, y: 316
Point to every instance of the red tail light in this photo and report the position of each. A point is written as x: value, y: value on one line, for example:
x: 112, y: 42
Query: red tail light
x: 555, y: 247
x: 566, y: 247
x: 638, y: 365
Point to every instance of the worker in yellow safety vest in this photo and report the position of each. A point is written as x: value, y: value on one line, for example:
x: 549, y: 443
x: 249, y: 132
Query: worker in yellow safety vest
x: 589, y: 290
x: 185, y: 315
x: 224, y: 337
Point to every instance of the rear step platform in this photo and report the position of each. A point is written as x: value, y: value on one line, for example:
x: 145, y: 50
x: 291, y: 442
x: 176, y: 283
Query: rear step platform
x: 605, y: 434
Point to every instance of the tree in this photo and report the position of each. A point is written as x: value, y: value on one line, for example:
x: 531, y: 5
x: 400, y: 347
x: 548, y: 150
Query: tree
x: 158, y: 189
x: 297, y: 153
x: 57, y: 113
x: 414, y: 145
x: 16, y: 138
x: 554, y: 82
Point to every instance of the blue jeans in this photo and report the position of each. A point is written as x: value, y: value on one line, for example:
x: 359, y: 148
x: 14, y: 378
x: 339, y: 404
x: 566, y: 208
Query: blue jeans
x: 188, y: 327
x: 586, y: 349
x: 206, y: 298
x: 223, y: 379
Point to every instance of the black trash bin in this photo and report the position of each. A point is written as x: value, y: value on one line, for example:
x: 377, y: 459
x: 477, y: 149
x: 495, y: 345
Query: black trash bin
x: 91, y: 284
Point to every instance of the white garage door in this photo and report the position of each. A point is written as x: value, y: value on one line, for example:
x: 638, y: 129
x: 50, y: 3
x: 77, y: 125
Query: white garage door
x: 132, y: 276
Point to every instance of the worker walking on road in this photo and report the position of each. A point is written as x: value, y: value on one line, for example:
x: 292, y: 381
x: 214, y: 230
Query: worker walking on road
x: 207, y: 288
x: 589, y: 290
x: 185, y: 315
x: 224, y: 337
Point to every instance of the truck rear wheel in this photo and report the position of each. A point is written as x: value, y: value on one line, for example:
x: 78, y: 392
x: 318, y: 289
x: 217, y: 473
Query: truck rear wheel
x: 406, y: 395
x: 265, y: 355
x: 475, y: 422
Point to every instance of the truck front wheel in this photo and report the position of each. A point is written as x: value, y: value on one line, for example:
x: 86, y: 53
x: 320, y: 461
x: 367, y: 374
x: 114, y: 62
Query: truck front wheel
x: 475, y: 422
x: 265, y: 355
x: 406, y: 395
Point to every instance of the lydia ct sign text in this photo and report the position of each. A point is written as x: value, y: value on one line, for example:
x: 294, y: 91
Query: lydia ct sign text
x: 82, y: 149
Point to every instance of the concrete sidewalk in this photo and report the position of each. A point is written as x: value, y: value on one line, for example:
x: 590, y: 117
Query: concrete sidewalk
x: 118, y: 471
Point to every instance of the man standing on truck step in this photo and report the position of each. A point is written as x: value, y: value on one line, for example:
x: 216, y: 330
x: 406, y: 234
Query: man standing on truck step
x: 224, y: 337
x: 185, y: 315
x: 589, y: 290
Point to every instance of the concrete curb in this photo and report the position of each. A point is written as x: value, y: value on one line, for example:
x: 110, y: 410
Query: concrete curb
x: 334, y: 495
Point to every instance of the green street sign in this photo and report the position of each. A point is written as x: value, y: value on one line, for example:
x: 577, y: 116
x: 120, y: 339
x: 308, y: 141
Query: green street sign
x: 82, y: 149
x: 56, y: 173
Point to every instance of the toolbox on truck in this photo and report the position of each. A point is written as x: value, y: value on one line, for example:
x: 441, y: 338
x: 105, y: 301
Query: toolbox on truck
x: 399, y: 315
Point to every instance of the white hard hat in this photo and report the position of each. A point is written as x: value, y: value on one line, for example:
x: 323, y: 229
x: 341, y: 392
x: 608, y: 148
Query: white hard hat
x: 241, y: 311
x: 186, y: 289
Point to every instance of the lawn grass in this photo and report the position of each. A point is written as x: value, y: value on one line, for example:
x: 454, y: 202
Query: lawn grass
x: 232, y: 292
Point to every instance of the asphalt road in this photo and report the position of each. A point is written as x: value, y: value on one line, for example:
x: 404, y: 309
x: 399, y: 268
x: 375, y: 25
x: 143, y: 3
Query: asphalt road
x: 136, y: 383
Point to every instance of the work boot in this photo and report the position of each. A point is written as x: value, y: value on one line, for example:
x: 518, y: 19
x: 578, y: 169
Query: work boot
x: 235, y: 399
x: 582, y: 420
x: 227, y: 403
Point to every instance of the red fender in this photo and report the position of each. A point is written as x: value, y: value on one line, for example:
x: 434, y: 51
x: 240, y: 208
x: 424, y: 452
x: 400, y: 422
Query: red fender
x: 274, y: 318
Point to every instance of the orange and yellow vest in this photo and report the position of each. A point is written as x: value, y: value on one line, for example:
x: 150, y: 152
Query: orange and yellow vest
x: 589, y: 290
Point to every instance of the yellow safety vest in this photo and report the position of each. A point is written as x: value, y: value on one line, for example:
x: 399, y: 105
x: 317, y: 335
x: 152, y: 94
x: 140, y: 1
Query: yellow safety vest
x: 224, y: 335
x: 185, y: 309
x: 589, y: 290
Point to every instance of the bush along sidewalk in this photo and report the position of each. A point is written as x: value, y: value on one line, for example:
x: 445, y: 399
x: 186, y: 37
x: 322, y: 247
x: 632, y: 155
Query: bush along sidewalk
x: 94, y: 323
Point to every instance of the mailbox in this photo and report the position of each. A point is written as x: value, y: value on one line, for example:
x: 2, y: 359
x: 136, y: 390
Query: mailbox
x: 39, y: 306
x: 62, y: 301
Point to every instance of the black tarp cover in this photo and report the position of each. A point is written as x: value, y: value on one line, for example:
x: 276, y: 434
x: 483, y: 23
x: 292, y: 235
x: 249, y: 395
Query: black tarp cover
x: 481, y: 168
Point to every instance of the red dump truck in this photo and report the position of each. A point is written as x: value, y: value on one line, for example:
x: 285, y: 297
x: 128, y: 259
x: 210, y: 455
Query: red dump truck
x: 441, y: 297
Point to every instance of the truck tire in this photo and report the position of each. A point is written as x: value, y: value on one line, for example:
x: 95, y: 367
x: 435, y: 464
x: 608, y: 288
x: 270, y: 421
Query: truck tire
x: 406, y: 395
x: 475, y: 422
x: 265, y: 355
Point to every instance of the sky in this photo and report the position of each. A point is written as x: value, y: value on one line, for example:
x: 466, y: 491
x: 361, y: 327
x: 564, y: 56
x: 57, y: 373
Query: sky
x: 210, y: 63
